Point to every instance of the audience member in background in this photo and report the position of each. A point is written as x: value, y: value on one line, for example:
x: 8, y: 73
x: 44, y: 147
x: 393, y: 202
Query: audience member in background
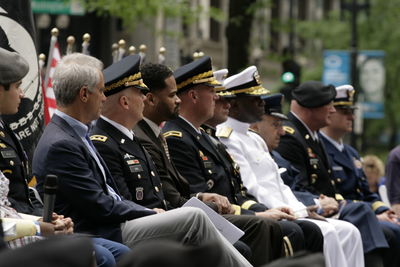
x: 374, y: 170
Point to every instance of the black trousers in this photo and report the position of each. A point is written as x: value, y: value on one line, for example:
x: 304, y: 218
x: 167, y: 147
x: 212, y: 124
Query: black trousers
x: 263, y: 236
x: 303, y: 235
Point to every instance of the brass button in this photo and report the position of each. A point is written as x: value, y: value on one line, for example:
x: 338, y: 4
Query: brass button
x: 11, y: 163
x: 2, y: 134
x: 152, y: 173
x: 329, y: 171
x: 209, y: 171
x: 313, y: 178
x: 139, y: 176
x: 156, y: 188
x: 332, y: 182
x: 358, y: 190
x: 198, y: 137
x: 338, y: 180
x: 315, y: 166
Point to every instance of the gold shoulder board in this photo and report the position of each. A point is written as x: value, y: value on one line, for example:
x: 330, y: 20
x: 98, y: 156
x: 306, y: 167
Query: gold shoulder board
x: 100, y: 138
x: 173, y: 133
x: 288, y: 129
x: 224, y: 132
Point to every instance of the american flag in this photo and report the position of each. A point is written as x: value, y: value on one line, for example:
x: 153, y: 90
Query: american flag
x: 48, y: 93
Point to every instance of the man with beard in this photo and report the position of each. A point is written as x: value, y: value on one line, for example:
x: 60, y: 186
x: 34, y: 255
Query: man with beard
x: 162, y: 104
x: 208, y: 170
x: 311, y: 109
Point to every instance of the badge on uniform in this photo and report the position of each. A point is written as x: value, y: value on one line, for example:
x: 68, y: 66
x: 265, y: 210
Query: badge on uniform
x: 310, y: 153
x: 357, y: 163
x: 7, y: 154
x: 337, y: 168
x: 314, y: 162
x: 127, y: 156
x: 132, y: 161
x: 135, y: 168
x: 210, y: 184
x: 139, y: 193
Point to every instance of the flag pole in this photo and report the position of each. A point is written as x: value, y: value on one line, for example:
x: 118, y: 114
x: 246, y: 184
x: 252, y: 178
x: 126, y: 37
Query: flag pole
x: 53, y: 41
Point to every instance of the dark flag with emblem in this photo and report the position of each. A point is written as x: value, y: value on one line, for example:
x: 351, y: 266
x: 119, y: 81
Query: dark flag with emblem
x: 17, y: 34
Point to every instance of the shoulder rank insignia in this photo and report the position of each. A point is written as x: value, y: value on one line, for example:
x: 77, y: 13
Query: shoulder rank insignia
x: 100, y: 138
x: 172, y: 133
x: 224, y: 132
x: 288, y: 129
x: 252, y: 130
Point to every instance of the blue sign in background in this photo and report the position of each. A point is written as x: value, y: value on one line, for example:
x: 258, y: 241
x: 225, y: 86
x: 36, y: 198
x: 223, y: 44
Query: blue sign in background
x: 337, y: 72
x: 336, y: 67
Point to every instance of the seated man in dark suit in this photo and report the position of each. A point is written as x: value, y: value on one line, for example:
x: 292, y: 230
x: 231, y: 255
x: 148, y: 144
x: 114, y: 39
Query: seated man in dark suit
x: 87, y: 191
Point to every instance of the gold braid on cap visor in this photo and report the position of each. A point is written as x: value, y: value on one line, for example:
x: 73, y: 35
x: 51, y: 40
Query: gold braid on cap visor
x: 343, y: 103
x: 254, y: 90
x: 128, y: 81
x: 200, y: 78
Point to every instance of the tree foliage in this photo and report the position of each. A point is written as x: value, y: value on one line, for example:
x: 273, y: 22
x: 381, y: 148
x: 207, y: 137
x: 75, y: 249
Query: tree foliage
x: 377, y: 30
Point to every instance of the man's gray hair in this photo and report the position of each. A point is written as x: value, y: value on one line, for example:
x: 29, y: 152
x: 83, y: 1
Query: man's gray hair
x: 72, y: 73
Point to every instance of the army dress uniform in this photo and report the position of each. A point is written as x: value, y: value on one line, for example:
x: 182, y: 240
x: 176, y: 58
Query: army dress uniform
x: 138, y: 179
x: 208, y: 171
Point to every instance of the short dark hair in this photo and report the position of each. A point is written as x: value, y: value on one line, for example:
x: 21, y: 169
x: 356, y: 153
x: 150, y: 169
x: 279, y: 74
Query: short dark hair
x: 154, y: 76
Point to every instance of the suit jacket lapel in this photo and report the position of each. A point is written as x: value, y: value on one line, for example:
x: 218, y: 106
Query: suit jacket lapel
x: 151, y: 137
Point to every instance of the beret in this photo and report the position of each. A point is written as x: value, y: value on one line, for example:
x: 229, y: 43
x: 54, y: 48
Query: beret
x: 123, y: 74
x: 314, y: 94
x: 13, y: 67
